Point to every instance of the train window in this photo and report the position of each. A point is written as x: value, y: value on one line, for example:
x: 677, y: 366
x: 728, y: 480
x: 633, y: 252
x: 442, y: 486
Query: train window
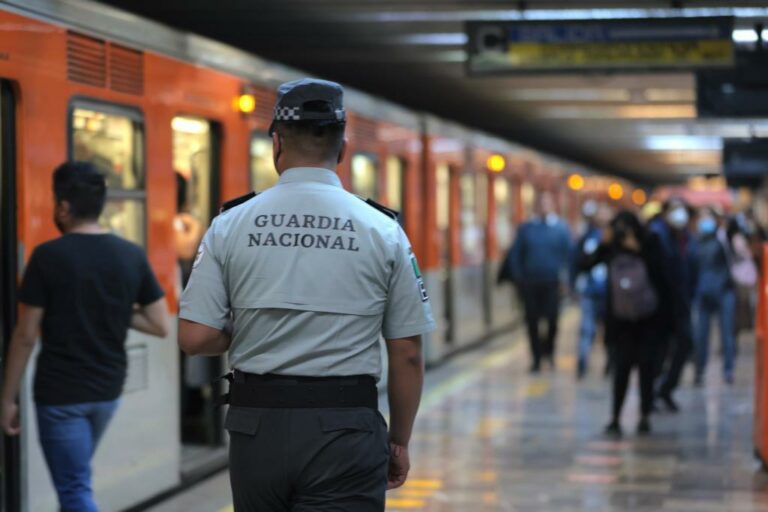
x: 126, y: 218
x: 528, y: 197
x: 471, y: 230
x: 263, y: 173
x: 364, y: 175
x: 111, y: 138
x: 395, y: 177
x: 503, y: 213
x: 443, y: 195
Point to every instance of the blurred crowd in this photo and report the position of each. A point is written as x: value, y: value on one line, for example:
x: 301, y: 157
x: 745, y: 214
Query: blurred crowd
x: 652, y: 282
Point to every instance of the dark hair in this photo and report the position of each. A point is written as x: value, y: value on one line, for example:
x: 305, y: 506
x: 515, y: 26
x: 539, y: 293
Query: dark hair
x: 626, y: 220
x: 82, y: 186
x: 318, y: 139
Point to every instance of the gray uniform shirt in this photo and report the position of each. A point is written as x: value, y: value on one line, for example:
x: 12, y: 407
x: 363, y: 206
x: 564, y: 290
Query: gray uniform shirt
x: 312, y: 276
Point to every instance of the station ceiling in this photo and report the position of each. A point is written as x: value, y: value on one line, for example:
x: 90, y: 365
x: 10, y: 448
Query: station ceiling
x: 639, y: 125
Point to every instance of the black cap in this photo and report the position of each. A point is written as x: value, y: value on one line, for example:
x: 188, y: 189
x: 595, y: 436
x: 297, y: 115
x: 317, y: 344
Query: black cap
x: 294, y: 96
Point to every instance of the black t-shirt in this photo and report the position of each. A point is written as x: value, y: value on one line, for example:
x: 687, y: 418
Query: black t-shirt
x: 87, y: 285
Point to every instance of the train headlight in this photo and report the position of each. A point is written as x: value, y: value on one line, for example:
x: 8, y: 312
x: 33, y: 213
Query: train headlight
x: 246, y: 103
x: 496, y: 163
x: 575, y: 182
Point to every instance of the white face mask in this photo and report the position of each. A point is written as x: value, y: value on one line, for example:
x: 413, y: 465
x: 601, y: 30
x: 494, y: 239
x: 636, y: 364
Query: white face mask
x: 551, y: 219
x: 678, y: 218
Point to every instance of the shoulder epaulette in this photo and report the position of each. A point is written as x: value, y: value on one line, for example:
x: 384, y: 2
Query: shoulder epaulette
x: 237, y: 201
x: 389, y: 212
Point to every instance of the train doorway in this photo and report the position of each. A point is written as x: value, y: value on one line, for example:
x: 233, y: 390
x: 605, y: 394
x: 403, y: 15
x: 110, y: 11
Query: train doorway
x: 443, y: 204
x: 196, y: 165
x: 10, y: 485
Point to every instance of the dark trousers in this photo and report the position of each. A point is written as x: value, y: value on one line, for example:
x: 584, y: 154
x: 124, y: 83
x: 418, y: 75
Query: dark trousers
x: 541, y: 302
x: 634, y: 345
x: 679, y: 351
x: 302, y: 460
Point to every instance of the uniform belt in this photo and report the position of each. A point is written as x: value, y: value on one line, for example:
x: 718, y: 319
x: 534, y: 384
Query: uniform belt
x: 278, y: 391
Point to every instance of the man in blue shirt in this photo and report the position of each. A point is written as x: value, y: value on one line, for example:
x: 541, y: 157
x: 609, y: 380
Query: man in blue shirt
x: 538, y: 263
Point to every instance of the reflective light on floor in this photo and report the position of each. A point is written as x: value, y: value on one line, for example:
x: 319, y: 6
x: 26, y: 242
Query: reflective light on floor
x: 593, y: 478
x: 598, y: 460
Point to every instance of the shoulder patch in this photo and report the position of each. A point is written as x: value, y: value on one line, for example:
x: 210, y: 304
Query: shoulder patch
x: 237, y: 201
x: 389, y: 212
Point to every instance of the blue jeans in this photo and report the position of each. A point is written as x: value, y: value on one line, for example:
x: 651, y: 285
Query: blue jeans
x: 726, y: 311
x: 69, y: 435
x: 591, y: 313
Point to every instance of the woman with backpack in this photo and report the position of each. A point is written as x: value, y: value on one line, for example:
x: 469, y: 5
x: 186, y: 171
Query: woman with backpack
x: 638, y: 287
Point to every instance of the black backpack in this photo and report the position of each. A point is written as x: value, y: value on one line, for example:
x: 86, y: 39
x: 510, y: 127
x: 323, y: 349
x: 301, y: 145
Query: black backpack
x: 633, y: 296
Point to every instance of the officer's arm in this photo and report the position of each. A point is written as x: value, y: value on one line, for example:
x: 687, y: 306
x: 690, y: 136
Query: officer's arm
x: 202, y: 340
x: 406, y: 376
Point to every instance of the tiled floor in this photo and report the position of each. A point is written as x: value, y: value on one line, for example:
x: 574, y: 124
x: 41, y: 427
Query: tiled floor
x: 492, y: 438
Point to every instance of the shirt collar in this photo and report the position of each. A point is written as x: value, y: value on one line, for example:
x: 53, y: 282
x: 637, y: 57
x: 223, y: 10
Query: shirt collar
x: 310, y: 174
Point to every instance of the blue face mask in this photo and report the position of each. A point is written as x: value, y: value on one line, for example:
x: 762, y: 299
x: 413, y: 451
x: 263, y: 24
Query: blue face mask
x: 707, y: 226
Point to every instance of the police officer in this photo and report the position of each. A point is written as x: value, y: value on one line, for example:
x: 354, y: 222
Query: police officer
x: 309, y: 276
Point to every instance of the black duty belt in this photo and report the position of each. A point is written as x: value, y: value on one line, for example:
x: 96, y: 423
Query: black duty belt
x: 279, y: 391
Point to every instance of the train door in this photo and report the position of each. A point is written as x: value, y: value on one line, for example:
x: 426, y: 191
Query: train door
x: 443, y: 215
x: 364, y: 175
x: 195, y: 163
x: 263, y: 173
x: 395, y: 179
x: 10, y: 486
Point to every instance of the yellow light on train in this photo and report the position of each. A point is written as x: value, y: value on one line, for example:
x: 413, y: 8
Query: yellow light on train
x: 576, y: 182
x: 615, y: 191
x: 246, y: 103
x: 639, y: 197
x: 496, y: 163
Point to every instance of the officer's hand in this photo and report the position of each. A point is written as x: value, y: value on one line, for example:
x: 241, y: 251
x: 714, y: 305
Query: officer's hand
x: 10, y: 418
x: 399, y: 465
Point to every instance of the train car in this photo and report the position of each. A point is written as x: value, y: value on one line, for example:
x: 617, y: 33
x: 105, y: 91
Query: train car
x: 178, y: 123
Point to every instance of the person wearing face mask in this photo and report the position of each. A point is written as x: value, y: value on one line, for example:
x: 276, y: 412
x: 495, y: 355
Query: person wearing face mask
x: 538, y: 263
x: 637, y: 302
x: 680, y: 262
x: 715, y: 295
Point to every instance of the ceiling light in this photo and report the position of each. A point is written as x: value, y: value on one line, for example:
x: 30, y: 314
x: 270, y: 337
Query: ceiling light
x: 669, y: 95
x: 680, y: 111
x: 435, y: 39
x: 682, y: 143
x: 556, y: 94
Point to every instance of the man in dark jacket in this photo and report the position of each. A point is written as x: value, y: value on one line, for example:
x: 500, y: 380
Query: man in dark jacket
x: 679, y: 249
x: 538, y: 263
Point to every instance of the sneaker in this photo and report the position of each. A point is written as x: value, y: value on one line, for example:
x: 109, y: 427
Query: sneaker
x: 729, y: 379
x: 613, y: 429
x: 535, y: 368
x: 669, y: 402
x: 644, y: 426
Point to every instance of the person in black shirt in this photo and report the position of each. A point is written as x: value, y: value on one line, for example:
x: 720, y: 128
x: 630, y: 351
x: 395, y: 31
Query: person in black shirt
x: 81, y: 292
x: 638, y: 288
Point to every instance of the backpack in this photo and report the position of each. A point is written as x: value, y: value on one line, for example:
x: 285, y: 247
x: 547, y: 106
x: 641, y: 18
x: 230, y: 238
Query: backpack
x: 633, y: 297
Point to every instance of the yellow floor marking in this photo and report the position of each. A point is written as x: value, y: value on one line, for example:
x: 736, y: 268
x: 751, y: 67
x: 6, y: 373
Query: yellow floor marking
x: 490, y: 498
x: 406, y: 503
x: 488, y: 427
x: 489, y: 475
x: 423, y: 484
x: 230, y: 508
x: 415, y: 493
x: 537, y: 388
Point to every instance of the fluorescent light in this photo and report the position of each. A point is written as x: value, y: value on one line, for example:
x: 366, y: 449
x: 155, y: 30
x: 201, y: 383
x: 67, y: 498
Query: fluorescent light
x: 745, y: 35
x: 682, y: 143
x: 553, y: 14
x: 435, y: 39
x: 555, y: 94
x: 669, y: 95
x: 680, y: 111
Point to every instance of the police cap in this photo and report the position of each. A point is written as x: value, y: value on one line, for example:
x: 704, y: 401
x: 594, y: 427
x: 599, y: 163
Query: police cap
x: 309, y: 99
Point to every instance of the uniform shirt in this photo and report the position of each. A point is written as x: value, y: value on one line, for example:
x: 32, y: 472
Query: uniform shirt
x: 312, y: 276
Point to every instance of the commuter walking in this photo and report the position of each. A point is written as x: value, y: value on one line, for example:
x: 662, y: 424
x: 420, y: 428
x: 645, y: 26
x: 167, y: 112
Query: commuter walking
x: 297, y: 283
x: 745, y: 276
x: 82, y: 292
x: 638, y: 290
x: 715, y: 295
x: 680, y: 262
x: 538, y: 262
x: 592, y: 284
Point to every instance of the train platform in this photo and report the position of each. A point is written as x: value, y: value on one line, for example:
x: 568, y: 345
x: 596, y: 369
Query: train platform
x: 491, y: 437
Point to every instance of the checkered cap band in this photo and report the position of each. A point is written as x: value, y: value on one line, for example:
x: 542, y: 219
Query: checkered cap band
x: 287, y: 114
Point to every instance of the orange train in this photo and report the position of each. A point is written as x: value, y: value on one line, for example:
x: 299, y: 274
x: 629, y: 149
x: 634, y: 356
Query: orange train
x: 178, y: 124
